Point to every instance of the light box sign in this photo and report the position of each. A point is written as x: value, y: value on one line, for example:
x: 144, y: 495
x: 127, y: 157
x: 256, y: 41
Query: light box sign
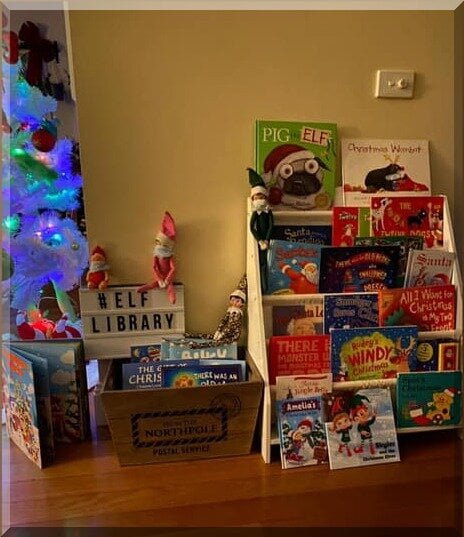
x: 119, y: 317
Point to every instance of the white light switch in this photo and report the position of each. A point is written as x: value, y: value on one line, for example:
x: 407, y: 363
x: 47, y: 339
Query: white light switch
x: 394, y: 84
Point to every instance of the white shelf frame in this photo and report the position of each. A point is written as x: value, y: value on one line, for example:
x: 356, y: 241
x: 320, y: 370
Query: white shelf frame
x: 257, y: 347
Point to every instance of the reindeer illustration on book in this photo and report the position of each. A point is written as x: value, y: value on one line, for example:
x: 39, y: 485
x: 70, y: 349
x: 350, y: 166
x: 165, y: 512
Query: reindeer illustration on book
x: 391, y: 178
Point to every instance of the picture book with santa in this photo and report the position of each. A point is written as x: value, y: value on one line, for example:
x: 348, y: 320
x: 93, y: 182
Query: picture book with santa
x: 395, y: 167
x: 293, y: 267
x: 298, y: 162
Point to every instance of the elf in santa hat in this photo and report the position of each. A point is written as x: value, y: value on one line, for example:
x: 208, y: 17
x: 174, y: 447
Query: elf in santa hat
x: 164, y: 267
x: 364, y: 417
x: 299, y: 175
x: 261, y: 222
x: 304, y: 278
x: 98, y: 274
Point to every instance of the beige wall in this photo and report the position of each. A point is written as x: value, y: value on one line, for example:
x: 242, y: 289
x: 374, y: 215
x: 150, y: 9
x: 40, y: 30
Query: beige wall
x: 167, y: 103
x: 459, y: 129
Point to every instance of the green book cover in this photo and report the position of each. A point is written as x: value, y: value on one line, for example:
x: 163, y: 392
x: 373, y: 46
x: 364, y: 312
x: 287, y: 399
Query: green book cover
x: 428, y: 399
x: 297, y: 161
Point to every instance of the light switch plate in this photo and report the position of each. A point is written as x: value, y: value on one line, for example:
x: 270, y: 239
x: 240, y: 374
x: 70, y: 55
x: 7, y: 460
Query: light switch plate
x: 394, y: 84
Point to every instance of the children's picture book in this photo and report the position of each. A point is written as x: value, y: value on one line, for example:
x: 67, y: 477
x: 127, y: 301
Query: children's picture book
x: 361, y: 428
x: 311, y: 234
x: 141, y: 375
x: 448, y: 356
x: 429, y: 267
x: 428, y: 399
x: 350, y: 310
x: 298, y: 355
x: 298, y: 163
x: 431, y: 308
x: 399, y: 167
x: 69, y: 402
x: 410, y: 216
x: 194, y: 375
x: 358, y: 268
x: 406, y: 244
x: 301, y: 386
x: 180, y: 350
x: 27, y: 406
x: 293, y: 267
x: 303, y: 319
x: 426, y: 355
x: 301, y: 432
x: 146, y: 353
x: 349, y: 223
x: 372, y: 353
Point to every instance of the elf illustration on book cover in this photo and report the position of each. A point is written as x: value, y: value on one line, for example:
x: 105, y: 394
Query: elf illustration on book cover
x: 360, y: 428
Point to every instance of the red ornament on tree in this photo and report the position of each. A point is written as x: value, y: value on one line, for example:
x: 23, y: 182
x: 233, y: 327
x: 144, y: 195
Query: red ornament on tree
x: 43, y: 140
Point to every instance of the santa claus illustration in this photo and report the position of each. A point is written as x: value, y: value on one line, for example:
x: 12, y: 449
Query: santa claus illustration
x: 304, y: 277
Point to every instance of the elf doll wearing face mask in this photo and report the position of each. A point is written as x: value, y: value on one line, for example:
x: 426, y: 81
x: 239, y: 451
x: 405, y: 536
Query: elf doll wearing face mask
x: 163, y: 261
x: 261, y: 222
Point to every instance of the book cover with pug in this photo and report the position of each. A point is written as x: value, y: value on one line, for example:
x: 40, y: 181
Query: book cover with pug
x: 399, y: 167
x: 297, y: 161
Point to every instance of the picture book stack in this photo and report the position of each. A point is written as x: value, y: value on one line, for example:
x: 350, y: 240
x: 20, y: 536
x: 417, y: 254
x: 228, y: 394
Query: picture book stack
x: 175, y: 363
x: 371, y: 299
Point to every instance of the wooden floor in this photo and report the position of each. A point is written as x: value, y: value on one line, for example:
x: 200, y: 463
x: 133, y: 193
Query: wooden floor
x: 87, y: 487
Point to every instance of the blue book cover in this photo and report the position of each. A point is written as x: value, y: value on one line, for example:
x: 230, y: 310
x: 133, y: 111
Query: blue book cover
x: 428, y: 399
x: 200, y: 375
x: 180, y: 350
x: 308, y: 233
x: 146, y: 353
x: 143, y: 376
x: 361, y: 429
x: 372, y: 353
x: 358, y: 268
x: 293, y: 267
x: 301, y: 432
x: 351, y: 310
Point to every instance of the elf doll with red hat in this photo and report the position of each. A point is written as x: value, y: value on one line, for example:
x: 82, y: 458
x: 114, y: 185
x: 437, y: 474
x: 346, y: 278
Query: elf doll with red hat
x: 261, y: 222
x: 164, y: 267
x: 98, y: 274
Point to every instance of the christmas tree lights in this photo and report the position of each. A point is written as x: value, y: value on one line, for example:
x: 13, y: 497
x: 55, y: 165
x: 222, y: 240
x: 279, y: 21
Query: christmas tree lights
x: 39, y: 190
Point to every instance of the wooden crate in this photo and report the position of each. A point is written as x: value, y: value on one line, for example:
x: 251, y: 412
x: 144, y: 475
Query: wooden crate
x: 149, y: 426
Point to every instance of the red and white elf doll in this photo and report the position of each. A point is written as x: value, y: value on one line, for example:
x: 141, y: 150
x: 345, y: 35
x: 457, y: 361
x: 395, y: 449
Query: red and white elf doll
x: 98, y: 274
x: 164, y: 266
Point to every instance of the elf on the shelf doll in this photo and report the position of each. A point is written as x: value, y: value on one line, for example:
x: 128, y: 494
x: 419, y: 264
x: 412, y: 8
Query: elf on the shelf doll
x: 261, y: 222
x: 98, y: 274
x: 164, y: 267
x: 230, y: 326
